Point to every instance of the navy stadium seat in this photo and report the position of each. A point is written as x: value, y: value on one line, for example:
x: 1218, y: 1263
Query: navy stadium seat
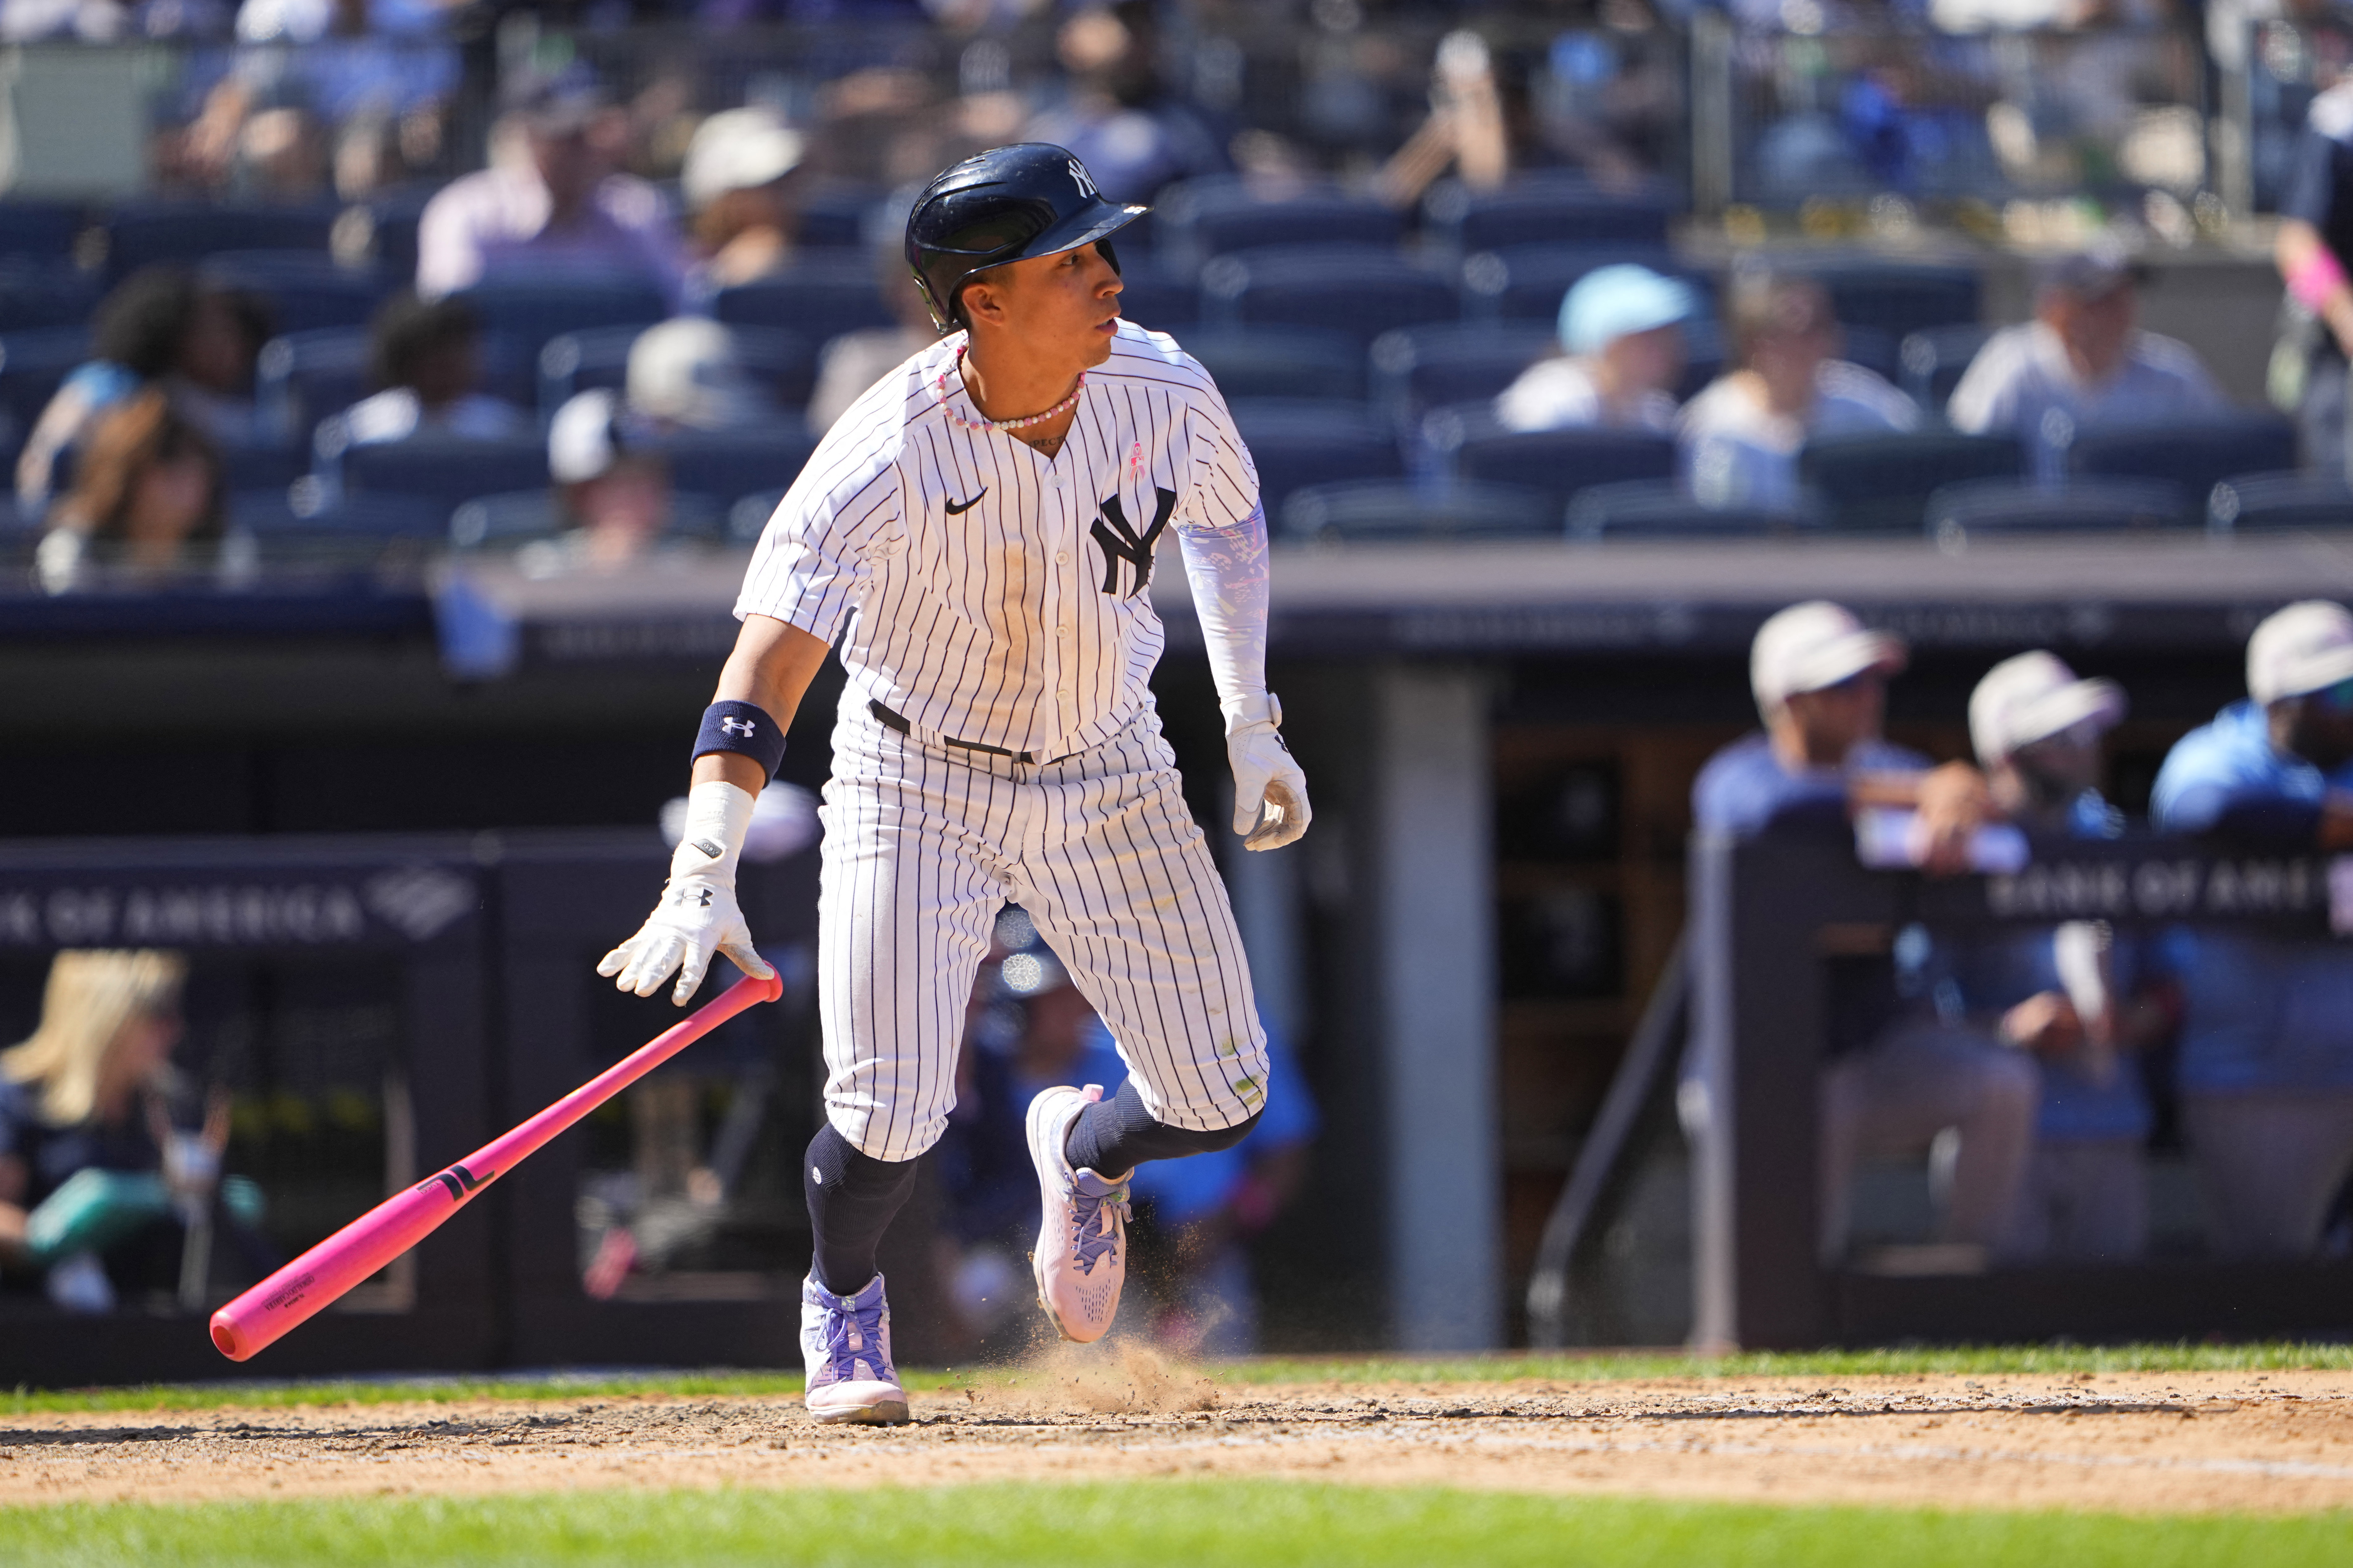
x: 436, y: 469
x: 1416, y: 369
x: 384, y: 230
x: 1895, y: 297
x: 1932, y: 361
x: 1872, y: 349
x: 1364, y: 509
x: 41, y: 230
x: 300, y: 511
x: 1560, y: 463
x: 140, y: 234
x: 1525, y: 282
x: 2081, y: 506
x: 34, y: 294
x: 784, y: 362
x: 1354, y: 289
x: 737, y: 465
x: 1197, y: 219
x: 2254, y: 503
x: 1881, y: 483
x: 532, y: 311
x: 305, y: 290
x: 1546, y: 210
x: 519, y: 517
x: 1158, y: 296
x: 1301, y: 442
x: 2196, y: 455
x: 261, y: 465
x: 1277, y: 362
x: 836, y: 215
x: 1662, y: 509
x: 820, y: 296
x: 32, y: 365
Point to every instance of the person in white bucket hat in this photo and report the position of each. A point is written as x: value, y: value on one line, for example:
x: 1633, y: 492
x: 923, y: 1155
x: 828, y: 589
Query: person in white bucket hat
x: 1819, y: 679
x: 2077, y: 998
x: 2267, y: 1050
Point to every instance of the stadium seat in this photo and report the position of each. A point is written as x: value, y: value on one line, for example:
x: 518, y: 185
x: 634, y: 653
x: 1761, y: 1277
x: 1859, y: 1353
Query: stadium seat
x: 1416, y: 369
x: 305, y: 291
x: 37, y: 294
x: 1197, y: 219
x: 303, y: 378
x: 143, y: 233
x: 1468, y: 444
x: 1156, y: 296
x: 300, y: 511
x: 783, y: 362
x: 383, y: 229
x: 534, y: 312
x: 431, y: 468
x: 1351, y: 289
x: 519, y: 517
x: 1662, y: 509
x: 1872, y: 349
x: 821, y: 297
x: 1932, y: 361
x: 1895, y: 297
x: 1525, y: 282
x: 1365, y: 510
x: 1544, y: 210
x: 739, y: 465
x: 1882, y: 483
x: 260, y: 466
x: 1300, y: 442
x: 2082, y: 506
x: 2254, y: 503
x: 32, y: 365
x: 836, y: 215
x: 41, y: 230
x: 2195, y: 455
x: 1276, y: 361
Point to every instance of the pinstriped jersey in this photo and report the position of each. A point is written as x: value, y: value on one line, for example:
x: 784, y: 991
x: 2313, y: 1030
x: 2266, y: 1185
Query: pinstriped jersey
x: 990, y: 593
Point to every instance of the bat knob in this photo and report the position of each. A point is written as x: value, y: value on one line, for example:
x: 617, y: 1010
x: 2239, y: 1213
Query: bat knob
x: 225, y: 1335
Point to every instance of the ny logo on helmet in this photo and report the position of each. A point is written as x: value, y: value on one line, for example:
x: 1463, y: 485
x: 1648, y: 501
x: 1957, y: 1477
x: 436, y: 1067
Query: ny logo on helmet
x: 1086, y: 180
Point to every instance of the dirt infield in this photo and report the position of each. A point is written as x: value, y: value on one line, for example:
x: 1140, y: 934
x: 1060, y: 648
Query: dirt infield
x: 2129, y: 1441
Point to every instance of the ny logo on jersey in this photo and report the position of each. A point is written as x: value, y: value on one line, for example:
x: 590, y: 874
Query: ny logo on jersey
x: 1086, y: 180
x: 1120, y: 543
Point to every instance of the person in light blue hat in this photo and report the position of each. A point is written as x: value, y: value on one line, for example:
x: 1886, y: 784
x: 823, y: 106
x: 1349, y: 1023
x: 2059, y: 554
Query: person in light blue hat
x: 1621, y: 328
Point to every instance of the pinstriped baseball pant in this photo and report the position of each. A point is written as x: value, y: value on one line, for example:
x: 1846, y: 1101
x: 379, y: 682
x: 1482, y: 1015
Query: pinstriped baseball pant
x: 925, y: 843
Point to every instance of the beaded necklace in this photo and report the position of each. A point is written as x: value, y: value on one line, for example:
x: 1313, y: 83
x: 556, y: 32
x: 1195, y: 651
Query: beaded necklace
x: 955, y: 367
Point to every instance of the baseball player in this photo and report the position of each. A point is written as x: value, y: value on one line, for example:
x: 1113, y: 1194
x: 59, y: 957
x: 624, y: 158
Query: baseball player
x: 978, y: 531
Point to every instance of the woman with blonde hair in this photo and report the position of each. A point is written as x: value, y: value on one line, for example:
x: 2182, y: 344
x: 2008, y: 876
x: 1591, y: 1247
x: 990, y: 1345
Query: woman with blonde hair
x: 78, y: 1149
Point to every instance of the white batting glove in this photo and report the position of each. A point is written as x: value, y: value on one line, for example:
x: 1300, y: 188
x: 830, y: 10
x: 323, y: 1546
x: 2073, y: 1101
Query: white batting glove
x: 1269, y: 790
x: 697, y: 914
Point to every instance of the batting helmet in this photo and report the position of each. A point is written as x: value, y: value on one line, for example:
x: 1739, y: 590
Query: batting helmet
x: 1008, y: 203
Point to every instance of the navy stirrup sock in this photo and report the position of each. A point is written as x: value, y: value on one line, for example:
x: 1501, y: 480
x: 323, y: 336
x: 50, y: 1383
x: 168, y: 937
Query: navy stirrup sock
x: 851, y: 1198
x: 1112, y: 1137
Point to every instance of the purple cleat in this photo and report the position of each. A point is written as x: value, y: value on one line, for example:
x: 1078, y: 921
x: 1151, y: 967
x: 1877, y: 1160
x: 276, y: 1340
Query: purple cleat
x: 846, y: 1342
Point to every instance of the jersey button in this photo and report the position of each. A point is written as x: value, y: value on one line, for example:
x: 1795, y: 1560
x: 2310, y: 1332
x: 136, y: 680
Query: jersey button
x: 1061, y: 558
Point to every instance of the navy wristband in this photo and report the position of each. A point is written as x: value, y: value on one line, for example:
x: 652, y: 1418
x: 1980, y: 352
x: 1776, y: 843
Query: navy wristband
x: 745, y: 729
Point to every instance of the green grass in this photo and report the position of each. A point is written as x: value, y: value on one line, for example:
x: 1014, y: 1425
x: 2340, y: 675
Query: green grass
x: 1192, y: 1524
x: 1552, y: 1368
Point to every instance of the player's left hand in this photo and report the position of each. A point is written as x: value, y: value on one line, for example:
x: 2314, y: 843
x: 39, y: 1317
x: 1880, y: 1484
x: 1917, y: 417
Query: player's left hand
x: 1270, y: 791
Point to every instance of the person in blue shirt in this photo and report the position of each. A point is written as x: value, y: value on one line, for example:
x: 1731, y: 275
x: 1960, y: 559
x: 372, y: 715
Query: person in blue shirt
x: 1819, y: 679
x: 2267, y: 1057
x: 2079, y: 999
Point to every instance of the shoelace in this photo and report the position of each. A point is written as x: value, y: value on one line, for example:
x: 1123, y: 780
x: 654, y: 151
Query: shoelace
x: 1094, y: 1237
x: 852, y: 1332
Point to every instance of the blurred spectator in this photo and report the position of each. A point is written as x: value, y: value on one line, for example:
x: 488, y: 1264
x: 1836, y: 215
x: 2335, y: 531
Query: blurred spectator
x: 1466, y: 129
x: 1819, y: 679
x: 2266, y: 1059
x: 1118, y: 119
x: 614, y: 482
x: 1610, y: 98
x: 1741, y: 436
x: 161, y: 327
x: 856, y: 361
x: 2314, y: 249
x: 684, y: 375
x: 148, y: 486
x: 1621, y: 328
x: 427, y: 360
x: 737, y: 182
x: 85, y: 1131
x: 2081, y: 364
x: 551, y: 203
x: 2080, y: 998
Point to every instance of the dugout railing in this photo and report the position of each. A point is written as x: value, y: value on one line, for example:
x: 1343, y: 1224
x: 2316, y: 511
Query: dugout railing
x: 1773, y: 922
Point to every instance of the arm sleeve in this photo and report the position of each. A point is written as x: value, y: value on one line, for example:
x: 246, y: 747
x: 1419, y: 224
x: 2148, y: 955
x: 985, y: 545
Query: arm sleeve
x: 2253, y: 818
x: 1983, y: 400
x: 810, y: 569
x: 1221, y: 532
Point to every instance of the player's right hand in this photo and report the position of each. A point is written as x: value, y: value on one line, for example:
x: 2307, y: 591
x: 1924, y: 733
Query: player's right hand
x: 696, y: 917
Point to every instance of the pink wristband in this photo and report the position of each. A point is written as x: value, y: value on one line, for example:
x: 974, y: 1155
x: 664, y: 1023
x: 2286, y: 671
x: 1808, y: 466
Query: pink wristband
x: 2317, y: 279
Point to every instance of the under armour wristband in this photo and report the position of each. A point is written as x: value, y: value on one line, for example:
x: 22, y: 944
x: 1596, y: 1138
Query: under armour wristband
x: 743, y: 728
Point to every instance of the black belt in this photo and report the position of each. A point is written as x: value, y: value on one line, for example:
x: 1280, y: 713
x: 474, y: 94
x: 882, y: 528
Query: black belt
x: 896, y: 723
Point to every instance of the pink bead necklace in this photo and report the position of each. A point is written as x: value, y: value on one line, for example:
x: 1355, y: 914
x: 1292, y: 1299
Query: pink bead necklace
x: 955, y: 367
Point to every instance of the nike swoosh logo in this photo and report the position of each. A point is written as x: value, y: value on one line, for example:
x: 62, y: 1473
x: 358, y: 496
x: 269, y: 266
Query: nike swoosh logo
x: 957, y: 509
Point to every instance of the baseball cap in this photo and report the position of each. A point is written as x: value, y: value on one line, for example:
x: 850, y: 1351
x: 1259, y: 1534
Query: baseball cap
x: 685, y: 372
x: 2095, y: 272
x: 2306, y: 648
x: 2032, y: 698
x: 1817, y: 644
x: 559, y: 103
x: 1610, y: 303
x: 738, y: 149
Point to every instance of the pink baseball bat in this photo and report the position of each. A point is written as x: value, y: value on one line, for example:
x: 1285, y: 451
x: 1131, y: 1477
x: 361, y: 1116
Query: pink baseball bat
x: 292, y: 1294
